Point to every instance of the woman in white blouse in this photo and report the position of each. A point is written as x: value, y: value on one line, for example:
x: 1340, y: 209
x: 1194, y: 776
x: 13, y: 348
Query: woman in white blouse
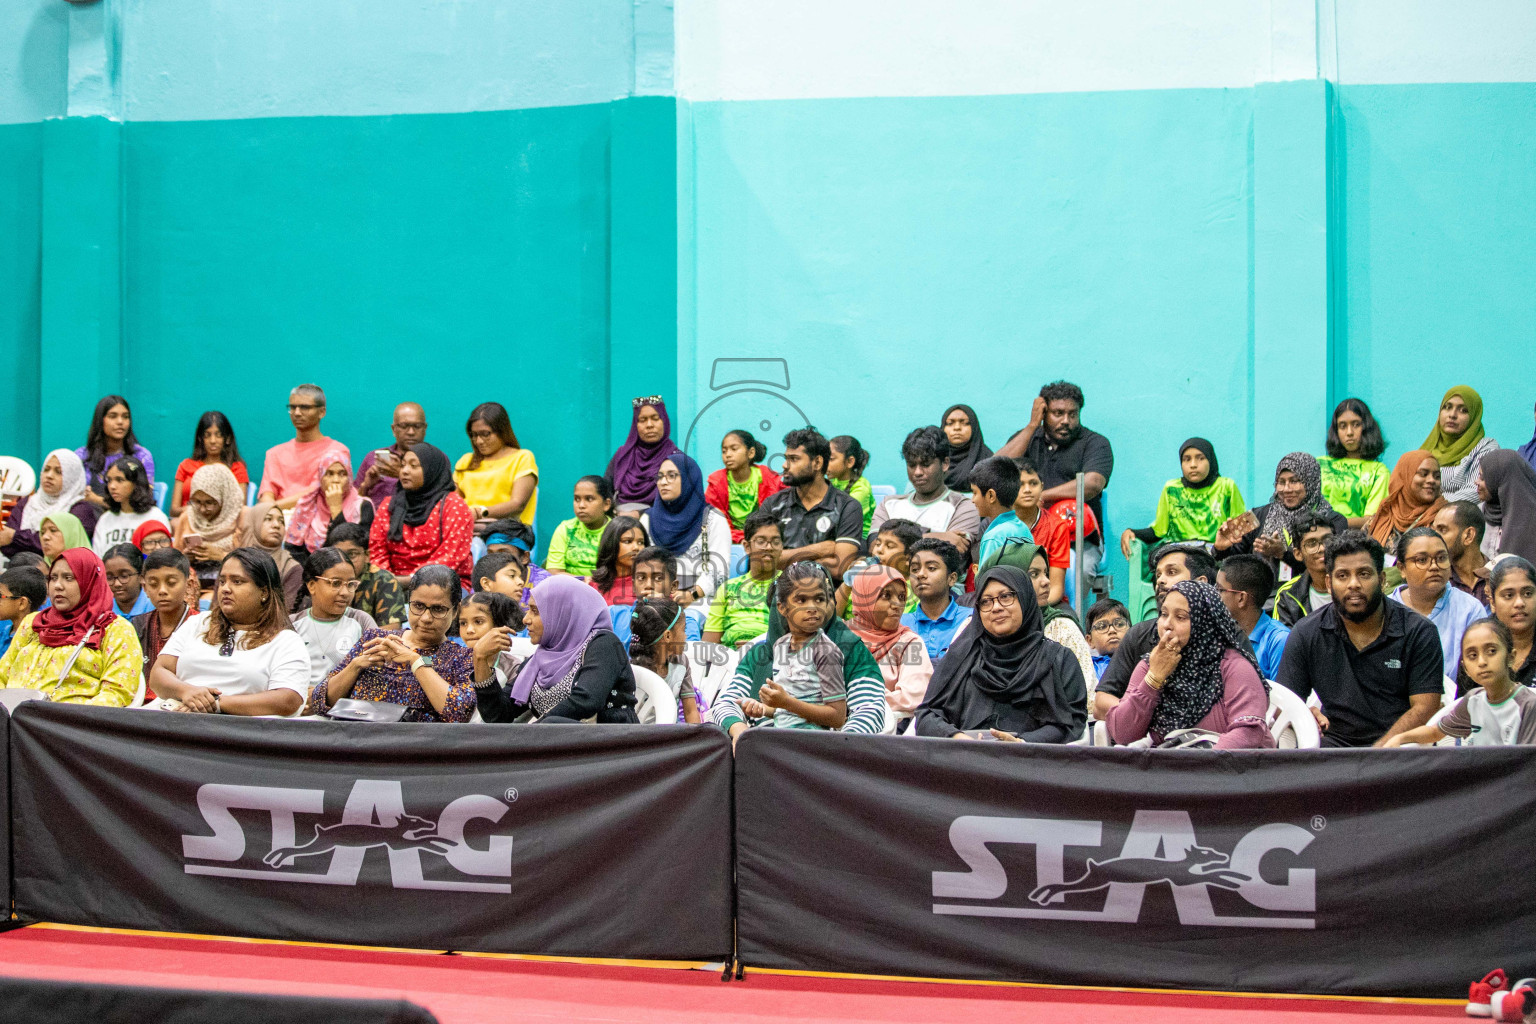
x: 241, y: 657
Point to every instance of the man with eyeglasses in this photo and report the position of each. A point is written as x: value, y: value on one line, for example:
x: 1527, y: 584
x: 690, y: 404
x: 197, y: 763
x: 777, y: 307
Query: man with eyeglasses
x: 291, y: 468
x: 1306, y: 592
x: 379, y: 474
x: 1425, y: 562
x: 1375, y: 665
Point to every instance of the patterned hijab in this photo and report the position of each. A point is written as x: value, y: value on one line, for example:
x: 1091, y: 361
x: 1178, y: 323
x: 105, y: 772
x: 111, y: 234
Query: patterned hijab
x: 675, y: 524
x: 88, y: 620
x: 633, y: 467
x: 217, y: 481
x: 312, y: 516
x: 1401, y: 509
x: 1277, y: 518
x: 572, y: 613
x: 71, y: 491
x: 964, y: 458
x: 866, y: 583
x: 1196, y: 686
x: 412, y: 508
x: 1449, y: 450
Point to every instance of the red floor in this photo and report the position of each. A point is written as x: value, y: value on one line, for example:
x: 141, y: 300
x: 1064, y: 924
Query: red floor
x: 477, y: 990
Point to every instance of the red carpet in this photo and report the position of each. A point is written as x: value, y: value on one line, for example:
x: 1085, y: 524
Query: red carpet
x: 481, y: 990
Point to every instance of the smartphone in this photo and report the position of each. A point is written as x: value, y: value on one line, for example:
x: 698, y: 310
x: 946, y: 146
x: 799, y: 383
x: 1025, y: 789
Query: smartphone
x: 192, y: 540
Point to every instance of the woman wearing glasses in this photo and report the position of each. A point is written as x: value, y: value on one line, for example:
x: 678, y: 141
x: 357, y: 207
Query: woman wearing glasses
x: 1002, y: 678
x: 1425, y: 563
x: 330, y: 627
x: 685, y: 524
x: 241, y: 657
x: 418, y: 667
x: 498, y: 477
x: 77, y: 650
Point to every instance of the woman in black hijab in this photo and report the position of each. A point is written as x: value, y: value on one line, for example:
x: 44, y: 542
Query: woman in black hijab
x: 1002, y: 675
x: 425, y: 522
x: 966, y: 448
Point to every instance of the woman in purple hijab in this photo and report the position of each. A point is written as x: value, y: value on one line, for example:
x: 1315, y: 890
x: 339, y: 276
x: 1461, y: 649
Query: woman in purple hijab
x: 632, y: 470
x: 579, y: 671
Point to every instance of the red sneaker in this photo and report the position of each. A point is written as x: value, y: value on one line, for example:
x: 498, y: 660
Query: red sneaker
x: 1514, y: 1003
x: 1480, y: 993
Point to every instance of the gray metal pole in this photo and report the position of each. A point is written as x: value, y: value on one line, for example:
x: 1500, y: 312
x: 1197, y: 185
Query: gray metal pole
x: 1077, y: 564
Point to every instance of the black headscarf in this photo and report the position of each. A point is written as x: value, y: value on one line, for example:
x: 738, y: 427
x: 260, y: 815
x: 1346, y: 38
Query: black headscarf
x: 412, y: 508
x: 1019, y: 669
x: 1204, y: 447
x: 964, y: 458
x: 1195, y: 686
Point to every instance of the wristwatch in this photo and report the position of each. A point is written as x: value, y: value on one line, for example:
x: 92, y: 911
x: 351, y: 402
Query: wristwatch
x: 425, y: 661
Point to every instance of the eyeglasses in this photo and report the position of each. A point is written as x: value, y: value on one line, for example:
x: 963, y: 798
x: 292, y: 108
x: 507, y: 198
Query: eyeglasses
x: 121, y: 577
x: 480, y: 435
x: 350, y: 586
x: 1315, y: 544
x: 1441, y: 560
x: 1105, y: 625
x: 436, y: 611
x: 665, y: 477
x: 295, y: 407
x: 1004, y: 600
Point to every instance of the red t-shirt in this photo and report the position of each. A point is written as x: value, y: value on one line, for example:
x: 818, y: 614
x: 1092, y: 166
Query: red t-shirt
x: 189, y: 466
x: 622, y: 591
x: 1055, y: 536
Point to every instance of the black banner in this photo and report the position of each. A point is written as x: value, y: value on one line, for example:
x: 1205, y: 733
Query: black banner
x: 24, y: 1001
x: 1351, y: 872
x: 611, y: 841
x: 5, y: 810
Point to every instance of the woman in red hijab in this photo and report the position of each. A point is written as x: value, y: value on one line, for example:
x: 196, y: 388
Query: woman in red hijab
x: 78, y: 650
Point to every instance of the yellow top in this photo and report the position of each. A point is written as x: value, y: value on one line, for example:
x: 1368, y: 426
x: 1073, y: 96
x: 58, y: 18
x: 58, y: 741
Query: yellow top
x: 107, y: 676
x: 491, y: 484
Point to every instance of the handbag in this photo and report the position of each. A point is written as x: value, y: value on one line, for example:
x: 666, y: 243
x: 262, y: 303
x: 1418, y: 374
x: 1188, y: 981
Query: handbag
x: 348, y: 709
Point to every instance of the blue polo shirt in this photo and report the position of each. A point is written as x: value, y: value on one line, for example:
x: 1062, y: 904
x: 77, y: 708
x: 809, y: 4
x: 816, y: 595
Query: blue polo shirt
x: 1452, y: 614
x: 1268, y: 640
x: 937, y: 633
x: 620, y: 614
x: 142, y: 605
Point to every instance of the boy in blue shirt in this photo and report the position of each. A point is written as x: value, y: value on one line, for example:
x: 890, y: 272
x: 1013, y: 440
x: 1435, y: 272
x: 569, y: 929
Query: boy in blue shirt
x: 933, y: 570
x: 22, y: 592
x: 1245, y: 582
x: 994, y: 488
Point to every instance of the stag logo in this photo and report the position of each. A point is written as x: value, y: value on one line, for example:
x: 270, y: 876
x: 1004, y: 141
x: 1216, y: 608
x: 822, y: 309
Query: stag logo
x: 1159, y: 849
x: 374, y: 817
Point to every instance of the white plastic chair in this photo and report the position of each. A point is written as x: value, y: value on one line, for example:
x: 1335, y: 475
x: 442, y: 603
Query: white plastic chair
x: 1290, y: 722
x: 710, y: 665
x: 654, y: 702
x: 138, y: 698
x: 14, y: 698
x: 16, y: 476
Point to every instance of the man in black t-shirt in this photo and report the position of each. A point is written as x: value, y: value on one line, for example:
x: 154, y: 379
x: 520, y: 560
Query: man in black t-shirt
x: 1056, y: 441
x: 819, y: 523
x: 1376, y: 665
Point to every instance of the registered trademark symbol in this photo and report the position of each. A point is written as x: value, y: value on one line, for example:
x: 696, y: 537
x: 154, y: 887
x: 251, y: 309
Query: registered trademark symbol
x: 511, y: 795
x: 1319, y: 823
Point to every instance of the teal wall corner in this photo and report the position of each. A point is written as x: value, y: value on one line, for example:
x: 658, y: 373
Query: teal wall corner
x: 21, y: 263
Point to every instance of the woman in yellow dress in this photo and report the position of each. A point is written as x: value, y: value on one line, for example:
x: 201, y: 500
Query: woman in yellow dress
x: 79, y: 651
x: 498, y: 478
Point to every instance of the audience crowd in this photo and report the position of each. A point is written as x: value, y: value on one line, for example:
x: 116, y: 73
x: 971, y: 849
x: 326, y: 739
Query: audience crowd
x: 1399, y: 603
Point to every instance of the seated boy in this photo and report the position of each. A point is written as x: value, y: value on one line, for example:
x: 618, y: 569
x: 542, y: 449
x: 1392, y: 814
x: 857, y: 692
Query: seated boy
x: 890, y: 545
x: 1052, y: 533
x: 933, y: 571
x: 1108, y: 622
x: 994, y: 489
x: 166, y: 572
x: 739, y: 611
x: 805, y: 690
x: 516, y: 537
x: 23, y: 589
x: 655, y: 575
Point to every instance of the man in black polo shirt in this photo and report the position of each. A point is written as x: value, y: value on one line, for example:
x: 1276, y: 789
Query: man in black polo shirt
x: 1056, y: 441
x: 1170, y: 565
x: 1376, y: 665
x: 819, y: 522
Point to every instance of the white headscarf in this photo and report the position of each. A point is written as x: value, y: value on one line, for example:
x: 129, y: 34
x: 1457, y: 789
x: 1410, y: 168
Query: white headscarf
x: 71, y: 491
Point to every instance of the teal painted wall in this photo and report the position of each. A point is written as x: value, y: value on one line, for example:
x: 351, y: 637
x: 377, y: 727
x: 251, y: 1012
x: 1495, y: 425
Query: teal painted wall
x: 21, y: 263
x: 1438, y: 246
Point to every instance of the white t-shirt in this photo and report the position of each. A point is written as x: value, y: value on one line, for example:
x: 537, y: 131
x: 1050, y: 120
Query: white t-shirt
x: 117, y: 527
x: 281, y: 662
x: 934, y: 517
x: 328, y: 643
x: 1321, y: 598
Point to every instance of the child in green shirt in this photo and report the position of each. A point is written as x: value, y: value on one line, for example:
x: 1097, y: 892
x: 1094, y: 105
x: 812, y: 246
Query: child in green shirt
x: 739, y: 611
x: 573, y: 547
x: 845, y: 471
x: 1194, y: 506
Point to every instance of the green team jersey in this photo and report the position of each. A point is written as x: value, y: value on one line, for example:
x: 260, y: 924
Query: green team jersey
x: 573, y: 548
x: 1187, y: 514
x: 1354, y: 487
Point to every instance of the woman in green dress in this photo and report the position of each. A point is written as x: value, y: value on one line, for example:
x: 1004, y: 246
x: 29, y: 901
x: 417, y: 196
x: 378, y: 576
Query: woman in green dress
x: 1194, y: 505
x: 1354, y: 477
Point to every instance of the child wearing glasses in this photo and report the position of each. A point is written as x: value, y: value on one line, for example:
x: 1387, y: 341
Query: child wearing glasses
x: 1108, y: 622
x: 329, y: 626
